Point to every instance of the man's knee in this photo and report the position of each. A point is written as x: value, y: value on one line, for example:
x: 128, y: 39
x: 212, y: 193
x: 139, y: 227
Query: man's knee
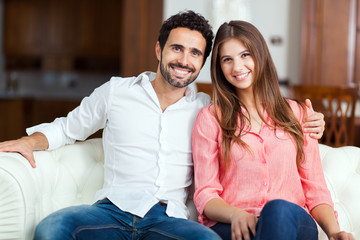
x: 57, y: 225
x: 49, y: 229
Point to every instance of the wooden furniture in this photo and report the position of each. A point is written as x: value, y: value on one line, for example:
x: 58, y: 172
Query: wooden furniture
x: 113, y: 36
x: 338, y: 106
x: 12, y: 118
x: 21, y: 113
x: 330, y: 42
x: 204, y: 87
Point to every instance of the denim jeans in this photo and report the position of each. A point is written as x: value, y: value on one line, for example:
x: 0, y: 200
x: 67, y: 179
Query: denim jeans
x: 104, y: 220
x: 280, y: 220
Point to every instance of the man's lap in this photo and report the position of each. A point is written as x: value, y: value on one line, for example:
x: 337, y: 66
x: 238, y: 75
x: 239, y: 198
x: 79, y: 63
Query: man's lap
x: 104, y: 220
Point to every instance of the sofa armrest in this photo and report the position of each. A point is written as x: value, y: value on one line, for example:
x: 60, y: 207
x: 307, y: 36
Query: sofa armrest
x: 17, y: 192
x: 68, y: 176
x: 342, y: 174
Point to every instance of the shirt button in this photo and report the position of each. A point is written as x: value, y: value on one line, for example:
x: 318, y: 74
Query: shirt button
x: 265, y: 184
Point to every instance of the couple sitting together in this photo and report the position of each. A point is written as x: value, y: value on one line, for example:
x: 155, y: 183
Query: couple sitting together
x: 253, y: 153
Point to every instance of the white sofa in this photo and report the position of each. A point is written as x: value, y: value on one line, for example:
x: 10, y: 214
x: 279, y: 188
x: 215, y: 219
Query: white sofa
x: 72, y: 174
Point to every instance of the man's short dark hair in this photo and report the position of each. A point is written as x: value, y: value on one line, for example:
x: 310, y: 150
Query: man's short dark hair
x: 192, y: 21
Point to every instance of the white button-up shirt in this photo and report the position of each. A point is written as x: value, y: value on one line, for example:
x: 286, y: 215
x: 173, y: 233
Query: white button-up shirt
x: 147, y: 151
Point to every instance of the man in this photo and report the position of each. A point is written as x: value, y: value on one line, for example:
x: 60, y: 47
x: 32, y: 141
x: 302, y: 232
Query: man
x: 147, y: 123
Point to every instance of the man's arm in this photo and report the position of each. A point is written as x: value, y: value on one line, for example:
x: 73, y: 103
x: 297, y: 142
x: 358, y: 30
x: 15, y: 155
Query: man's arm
x: 26, y: 145
x: 314, y: 124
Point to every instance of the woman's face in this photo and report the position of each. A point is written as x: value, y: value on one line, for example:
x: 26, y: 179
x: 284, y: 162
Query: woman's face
x: 237, y: 64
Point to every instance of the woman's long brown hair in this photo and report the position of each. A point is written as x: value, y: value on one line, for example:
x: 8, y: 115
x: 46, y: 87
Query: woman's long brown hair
x: 265, y: 88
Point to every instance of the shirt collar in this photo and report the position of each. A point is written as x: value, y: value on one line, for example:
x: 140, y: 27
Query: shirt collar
x: 144, y: 78
x: 190, y: 93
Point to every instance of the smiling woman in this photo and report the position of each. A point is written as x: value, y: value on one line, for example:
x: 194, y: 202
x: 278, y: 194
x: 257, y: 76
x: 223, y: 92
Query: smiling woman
x: 251, y: 132
x: 237, y: 64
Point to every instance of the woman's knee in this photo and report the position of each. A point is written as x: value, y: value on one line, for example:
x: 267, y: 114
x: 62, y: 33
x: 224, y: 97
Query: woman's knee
x: 282, y: 211
x: 279, y: 206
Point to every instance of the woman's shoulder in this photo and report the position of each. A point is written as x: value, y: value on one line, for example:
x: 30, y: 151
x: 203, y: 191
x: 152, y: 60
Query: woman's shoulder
x: 208, y: 111
x: 206, y: 121
x: 297, y: 107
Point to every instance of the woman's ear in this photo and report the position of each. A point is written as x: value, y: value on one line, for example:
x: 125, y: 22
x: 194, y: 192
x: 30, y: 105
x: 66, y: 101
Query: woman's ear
x: 158, y: 50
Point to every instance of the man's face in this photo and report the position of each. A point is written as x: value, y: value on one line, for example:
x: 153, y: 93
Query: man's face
x: 182, y: 56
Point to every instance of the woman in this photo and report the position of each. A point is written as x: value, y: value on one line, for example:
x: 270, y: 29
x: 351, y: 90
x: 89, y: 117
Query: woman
x: 260, y: 175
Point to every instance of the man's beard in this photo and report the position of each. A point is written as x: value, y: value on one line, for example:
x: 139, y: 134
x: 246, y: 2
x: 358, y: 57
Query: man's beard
x: 173, y: 82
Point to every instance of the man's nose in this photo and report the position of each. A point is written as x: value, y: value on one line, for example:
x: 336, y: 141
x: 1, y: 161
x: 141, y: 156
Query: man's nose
x: 184, y: 59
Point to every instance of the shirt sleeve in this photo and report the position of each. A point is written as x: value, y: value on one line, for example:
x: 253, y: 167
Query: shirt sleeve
x: 311, y: 171
x: 80, y: 123
x: 206, y: 154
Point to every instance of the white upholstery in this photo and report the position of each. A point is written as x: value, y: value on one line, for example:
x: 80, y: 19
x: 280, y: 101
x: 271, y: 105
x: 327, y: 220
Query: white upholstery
x: 72, y: 174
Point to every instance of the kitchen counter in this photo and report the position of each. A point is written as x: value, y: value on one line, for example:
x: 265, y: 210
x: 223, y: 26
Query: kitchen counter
x: 59, y: 86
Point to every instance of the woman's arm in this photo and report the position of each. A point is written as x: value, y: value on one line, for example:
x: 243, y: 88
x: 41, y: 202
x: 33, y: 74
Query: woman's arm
x: 325, y: 217
x: 242, y: 222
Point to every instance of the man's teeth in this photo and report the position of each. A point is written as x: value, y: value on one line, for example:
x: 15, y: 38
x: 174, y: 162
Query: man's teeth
x: 180, y: 71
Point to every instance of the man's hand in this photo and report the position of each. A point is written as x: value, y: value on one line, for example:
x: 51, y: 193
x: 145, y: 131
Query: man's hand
x: 26, y: 145
x: 22, y: 146
x: 314, y: 124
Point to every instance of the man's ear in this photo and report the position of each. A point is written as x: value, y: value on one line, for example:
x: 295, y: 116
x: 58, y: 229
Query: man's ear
x: 158, y: 50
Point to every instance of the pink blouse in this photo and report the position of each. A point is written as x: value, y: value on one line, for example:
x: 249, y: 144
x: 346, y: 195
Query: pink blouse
x: 255, y: 177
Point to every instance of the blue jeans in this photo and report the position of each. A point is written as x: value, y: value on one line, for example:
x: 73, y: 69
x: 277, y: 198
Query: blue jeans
x: 104, y: 220
x: 280, y: 220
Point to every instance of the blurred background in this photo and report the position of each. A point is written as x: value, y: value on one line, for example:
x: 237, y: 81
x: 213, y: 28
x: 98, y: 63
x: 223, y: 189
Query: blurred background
x: 55, y: 52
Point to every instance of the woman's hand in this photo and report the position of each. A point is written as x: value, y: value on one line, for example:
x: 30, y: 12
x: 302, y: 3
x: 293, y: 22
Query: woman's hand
x: 342, y: 236
x: 243, y: 225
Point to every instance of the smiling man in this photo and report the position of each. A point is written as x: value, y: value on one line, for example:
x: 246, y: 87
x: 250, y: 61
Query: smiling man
x: 147, y: 123
x: 181, y: 64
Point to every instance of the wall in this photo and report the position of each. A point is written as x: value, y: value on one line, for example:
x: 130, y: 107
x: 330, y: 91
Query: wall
x: 276, y: 18
x: 174, y: 6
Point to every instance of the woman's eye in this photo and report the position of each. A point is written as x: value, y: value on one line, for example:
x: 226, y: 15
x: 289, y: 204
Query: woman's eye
x: 226, y: 59
x: 245, y: 55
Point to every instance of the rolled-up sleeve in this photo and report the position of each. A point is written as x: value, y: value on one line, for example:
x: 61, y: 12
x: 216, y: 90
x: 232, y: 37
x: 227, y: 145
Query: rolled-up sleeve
x: 80, y: 123
x: 311, y: 171
x: 205, y: 149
